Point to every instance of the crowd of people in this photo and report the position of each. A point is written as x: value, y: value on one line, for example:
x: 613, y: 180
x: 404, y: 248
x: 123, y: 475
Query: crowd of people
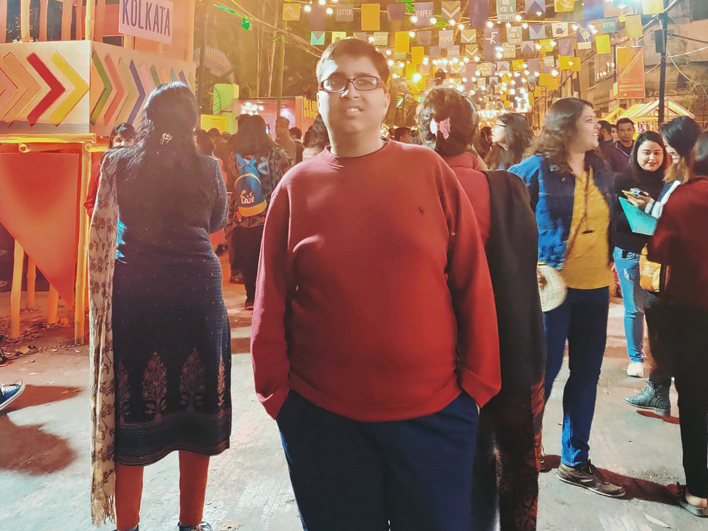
x: 411, y: 303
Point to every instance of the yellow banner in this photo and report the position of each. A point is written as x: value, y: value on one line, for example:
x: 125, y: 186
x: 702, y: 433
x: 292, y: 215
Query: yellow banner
x: 553, y: 84
x: 402, y: 42
x: 417, y: 53
x: 370, y: 17
x: 652, y: 7
x: 602, y: 44
x: 291, y: 12
x: 633, y: 24
x: 564, y: 6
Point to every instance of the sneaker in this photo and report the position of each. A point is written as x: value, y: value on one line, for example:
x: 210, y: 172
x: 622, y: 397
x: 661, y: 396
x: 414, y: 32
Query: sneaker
x: 701, y: 512
x: 249, y: 305
x: 9, y: 393
x: 652, y: 397
x: 587, y: 477
x: 201, y: 527
x: 636, y: 369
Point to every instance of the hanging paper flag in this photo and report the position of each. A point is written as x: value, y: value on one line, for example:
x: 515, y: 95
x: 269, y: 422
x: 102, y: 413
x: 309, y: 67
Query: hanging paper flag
x: 594, y: 9
x: 445, y: 38
x: 517, y: 64
x: 602, y: 44
x: 546, y: 45
x: 291, y: 12
x: 652, y: 7
x: 423, y: 12
x: 471, y: 51
x: 451, y: 10
x: 370, y: 17
x: 564, y: 62
x: 362, y: 36
x: 479, y: 14
x: 344, y: 13
x: 584, y: 35
x: 424, y: 38
x: 456, y: 68
x: 402, y: 42
x: 564, y: 6
x: 543, y: 80
x: 575, y: 64
x: 434, y: 51
x: 425, y: 69
x: 417, y: 53
x: 549, y: 63
x: 509, y: 51
x: 565, y: 47
x: 317, y: 38
x: 468, y: 36
x: 380, y: 38
x: 317, y: 18
x: 491, y: 38
x: 514, y: 35
x: 560, y: 29
x: 534, y: 66
x: 630, y: 72
x: 341, y: 35
x: 552, y: 83
x: 396, y: 11
x: 502, y: 67
x: 608, y: 25
x: 537, y: 31
x: 453, y: 52
x: 535, y: 7
x: 506, y: 10
x: 471, y: 70
x: 527, y: 48
x: 633, y: 25
x: 410, y: 71
x: 537, y: 92
x: 485, y: 69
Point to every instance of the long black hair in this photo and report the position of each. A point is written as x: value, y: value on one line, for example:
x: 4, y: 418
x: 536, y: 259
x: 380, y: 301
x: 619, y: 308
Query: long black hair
x: 165, y: 135
x: 251, y: 139
x: 681, y: 134
x: 319, y: 136
x: 647, y: 136
x: 442, y: 104
x: 518, y: 139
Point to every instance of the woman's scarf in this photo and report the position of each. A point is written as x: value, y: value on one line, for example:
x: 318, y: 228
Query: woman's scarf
x: 101, y: 259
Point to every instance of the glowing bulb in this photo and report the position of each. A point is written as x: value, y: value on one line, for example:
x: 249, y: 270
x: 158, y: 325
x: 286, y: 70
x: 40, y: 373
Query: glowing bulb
x: 525, y: 25
x: 444, y: 61
x: 425, y: 60
x: 553, y: 43
x: 593, y: 30
x: 414, y: 19
x: 467, y: 59
x: 526, y: 72
x: 260, y: 107
x: 323, y: 2
x: 417, y: 77
x: 499, y: 56
x: 538, y: 46
x: 490, y: 24
x: 401, y: 64
x: 308, y: 9
x: 433, y: 20
x: 395, y: 76
x: 371, y: 39
x: 476, y: 58
x: 575, y: 27
x: 330, y: 10
x: 539, y: 13
x: 554, y: 73
x: 452, y: 23
x: 388, y: 52
x: 455, y: 60
x: 411, y: 34
x: 461, y: 26
x: 508, y: 24
x: 390, y: 62
x: 464, y: 80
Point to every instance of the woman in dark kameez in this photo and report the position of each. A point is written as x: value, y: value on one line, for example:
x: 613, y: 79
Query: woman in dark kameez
x: 171, y: 343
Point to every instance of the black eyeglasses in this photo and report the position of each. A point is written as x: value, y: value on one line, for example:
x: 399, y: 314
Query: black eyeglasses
x: 335, y: 85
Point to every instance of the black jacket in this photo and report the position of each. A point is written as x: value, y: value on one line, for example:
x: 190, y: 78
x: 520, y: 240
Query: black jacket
x: 512, y: 254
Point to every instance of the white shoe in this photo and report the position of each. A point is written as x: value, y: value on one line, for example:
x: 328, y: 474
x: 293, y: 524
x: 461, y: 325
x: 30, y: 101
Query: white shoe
x: 636, y: 369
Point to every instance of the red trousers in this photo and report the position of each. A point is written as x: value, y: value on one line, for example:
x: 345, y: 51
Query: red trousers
x: 193, y: 471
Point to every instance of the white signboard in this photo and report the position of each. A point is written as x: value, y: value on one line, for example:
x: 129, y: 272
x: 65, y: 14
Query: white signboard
x: 148, y: 19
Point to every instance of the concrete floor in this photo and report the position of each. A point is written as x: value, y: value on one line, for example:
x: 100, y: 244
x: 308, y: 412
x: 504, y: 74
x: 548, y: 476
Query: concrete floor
x: 44, y: 454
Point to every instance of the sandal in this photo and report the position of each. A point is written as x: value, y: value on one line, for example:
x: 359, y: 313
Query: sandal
x: 701, y: 512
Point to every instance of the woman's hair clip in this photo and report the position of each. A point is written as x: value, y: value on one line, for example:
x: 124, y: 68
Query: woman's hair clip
x: 166, y: 137
x: 443, y: 127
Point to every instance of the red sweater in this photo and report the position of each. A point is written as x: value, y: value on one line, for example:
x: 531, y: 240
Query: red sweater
x: 681, y: 241
x: 475, y: 185
x: 374, y: 299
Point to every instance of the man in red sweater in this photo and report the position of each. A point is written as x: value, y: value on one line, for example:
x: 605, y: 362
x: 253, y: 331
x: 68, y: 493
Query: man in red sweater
x: 374, y: 332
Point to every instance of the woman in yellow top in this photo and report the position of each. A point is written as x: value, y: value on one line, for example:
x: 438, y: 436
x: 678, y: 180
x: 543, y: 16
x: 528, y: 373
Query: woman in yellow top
x: 571, y: 193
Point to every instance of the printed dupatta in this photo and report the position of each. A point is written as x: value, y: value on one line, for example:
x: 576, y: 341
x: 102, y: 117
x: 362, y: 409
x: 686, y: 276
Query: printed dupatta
x: 101, y: 260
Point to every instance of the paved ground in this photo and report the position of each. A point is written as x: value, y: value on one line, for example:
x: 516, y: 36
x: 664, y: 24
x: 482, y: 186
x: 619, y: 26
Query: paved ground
x: 44, y: 451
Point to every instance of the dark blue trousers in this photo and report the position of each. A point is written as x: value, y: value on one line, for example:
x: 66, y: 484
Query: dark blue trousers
x: 408, y: 475
x: 582, y: 321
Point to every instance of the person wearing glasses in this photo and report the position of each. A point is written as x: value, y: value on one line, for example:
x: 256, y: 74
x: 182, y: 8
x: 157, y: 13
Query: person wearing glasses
x: 374, y: 332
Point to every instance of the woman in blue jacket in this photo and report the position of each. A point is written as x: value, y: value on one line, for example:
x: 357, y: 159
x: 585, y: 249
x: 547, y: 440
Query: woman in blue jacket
x: 571, y: 195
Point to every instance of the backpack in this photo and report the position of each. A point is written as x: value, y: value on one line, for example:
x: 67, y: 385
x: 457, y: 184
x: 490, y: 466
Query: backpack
x: 249, y: 194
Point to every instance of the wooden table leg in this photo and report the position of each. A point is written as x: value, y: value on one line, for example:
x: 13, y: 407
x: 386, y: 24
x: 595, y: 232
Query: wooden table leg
x: 16, y: 293
x: 52, y: 306
x: 31, y: 282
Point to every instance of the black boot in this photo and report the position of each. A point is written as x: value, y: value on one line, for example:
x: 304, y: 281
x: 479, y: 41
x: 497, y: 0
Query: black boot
x: 654, y: 397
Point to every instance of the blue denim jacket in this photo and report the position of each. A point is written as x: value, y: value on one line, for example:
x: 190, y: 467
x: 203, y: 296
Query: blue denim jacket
x: 552, y: 194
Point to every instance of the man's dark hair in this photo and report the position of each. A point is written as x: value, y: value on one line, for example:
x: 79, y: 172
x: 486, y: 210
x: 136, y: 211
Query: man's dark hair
x: 401, y: 132
x: 214, y: 132
x: 205, y: 145
x: 282, y: 120
x: 353, y: 48
x: 124, y: 130
x: 605, y: 126
x: 624, y: 121
x: 297, y: 132
x: 700, y: 162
